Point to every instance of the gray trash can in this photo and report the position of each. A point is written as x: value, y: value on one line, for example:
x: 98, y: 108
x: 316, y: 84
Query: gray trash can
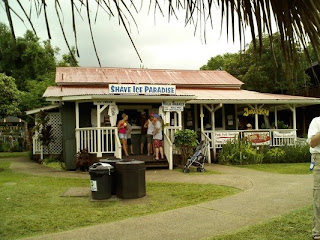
x: 100, y: 179
x: 131, y: 181
x: 112, y: 162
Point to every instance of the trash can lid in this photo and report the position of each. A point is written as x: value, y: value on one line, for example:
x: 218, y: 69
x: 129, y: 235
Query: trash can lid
x: 100, y: 167
x: 130, y: 164
x: 107, y: 160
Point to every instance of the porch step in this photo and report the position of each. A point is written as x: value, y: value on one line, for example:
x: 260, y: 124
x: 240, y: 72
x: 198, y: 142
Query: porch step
x: 157, y: 164
x: 149, y: 160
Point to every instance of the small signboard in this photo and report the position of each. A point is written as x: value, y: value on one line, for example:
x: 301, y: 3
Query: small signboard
x: 143, y: 89
x: 173, y: 106
x: 258, y: 138
x: 284, y: 134
x: 224, y: 137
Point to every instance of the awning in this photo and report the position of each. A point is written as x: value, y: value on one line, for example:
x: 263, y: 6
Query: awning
x: 36, y: 110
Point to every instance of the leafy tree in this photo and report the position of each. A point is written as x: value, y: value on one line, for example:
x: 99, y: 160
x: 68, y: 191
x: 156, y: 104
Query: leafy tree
x: 26, y: 59
x: 32, y: 64
x: 68, y: 60
x: 9, y: 96
x: 267, y: 72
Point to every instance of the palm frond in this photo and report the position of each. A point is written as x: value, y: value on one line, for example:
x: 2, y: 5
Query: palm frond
x: 298, y: 22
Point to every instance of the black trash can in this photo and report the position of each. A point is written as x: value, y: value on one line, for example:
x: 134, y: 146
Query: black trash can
x: 100, y: 179
x: 112, y: 162
x: 131, y: 181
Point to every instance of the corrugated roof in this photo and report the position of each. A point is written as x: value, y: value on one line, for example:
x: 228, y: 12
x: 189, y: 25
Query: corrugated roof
x: 104, y: 76
x: 219, y: 95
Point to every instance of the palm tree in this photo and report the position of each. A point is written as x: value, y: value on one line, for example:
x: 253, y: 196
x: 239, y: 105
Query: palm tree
x: 297, y: 21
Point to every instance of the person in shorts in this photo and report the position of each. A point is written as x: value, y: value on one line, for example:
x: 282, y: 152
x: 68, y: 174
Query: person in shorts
x: 122, y: 130
x: 157, y: 137
x: 150, y: 129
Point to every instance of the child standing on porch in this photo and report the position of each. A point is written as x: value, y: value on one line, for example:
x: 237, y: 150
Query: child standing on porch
x: 122, y: 129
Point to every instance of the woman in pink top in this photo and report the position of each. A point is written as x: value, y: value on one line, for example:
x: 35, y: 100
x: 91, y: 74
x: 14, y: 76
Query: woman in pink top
x: 122, y: 130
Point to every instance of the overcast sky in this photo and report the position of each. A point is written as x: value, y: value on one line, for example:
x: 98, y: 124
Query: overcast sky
x: 161, y: 44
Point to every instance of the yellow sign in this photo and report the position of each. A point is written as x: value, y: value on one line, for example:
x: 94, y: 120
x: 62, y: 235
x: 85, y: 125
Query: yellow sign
x: 259, y: 111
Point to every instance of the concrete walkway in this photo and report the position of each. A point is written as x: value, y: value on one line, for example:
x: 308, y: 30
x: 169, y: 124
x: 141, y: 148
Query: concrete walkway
x: 265, y: 195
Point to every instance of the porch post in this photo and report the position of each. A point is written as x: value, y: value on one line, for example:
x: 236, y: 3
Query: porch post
x: 213, y: 128
x: 275, y: 117
x: 294, y: 122
x: 256, y: 119
x: 99, y: 153
x: 77, y: 128
x: 180, y: 120
x: 201, y: 118
x: 236, y: 116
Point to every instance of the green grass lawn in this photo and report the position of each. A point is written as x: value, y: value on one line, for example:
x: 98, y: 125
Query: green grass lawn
x: 295, y: 225
x: 31, y: 205
x: 283, y: 168
x: 13, y: 154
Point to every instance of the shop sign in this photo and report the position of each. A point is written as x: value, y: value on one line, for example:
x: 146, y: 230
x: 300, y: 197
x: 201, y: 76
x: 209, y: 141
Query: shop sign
x: 224, y: 137
x: 259, y: 111
x: 284, y: 134
x: 173, y: 106
x: 143, y: 89
x: 10, y: 128
x: 258, y: 138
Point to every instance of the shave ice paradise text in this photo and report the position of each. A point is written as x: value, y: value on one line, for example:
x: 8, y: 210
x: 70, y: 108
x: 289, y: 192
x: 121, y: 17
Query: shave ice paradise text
x: 143, y: 89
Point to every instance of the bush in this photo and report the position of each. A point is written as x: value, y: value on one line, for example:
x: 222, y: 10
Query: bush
x: 274, y: 155
x: 186, y: 141
x: 4, y: 146
x: 297, y: 153
x: 84, y: 160
x: 239, y: 152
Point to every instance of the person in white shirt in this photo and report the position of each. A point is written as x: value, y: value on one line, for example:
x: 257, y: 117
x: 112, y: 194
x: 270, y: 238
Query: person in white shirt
x: 314, y: 141
x: 157, y: 137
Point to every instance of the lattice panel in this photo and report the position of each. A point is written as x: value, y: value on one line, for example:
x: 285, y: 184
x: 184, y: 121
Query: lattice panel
x: 55, y: 122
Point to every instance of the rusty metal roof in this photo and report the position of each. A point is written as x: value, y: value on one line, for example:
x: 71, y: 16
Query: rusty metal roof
x: 104, y: 76
x: 200, y: 94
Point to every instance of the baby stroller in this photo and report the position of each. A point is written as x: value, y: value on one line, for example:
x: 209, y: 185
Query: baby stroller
x: 197, y: 159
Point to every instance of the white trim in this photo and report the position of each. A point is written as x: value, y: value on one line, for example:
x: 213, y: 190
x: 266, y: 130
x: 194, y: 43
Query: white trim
x: 36, y: 110
x: 300, y: 102
x: 123, y: 98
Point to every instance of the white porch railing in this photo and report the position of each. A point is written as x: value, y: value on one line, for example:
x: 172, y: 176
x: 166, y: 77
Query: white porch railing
x: 168, y: 150
x: 207, y: 140
x: 273, y: 137
x: 170, y: 131
x: 36, y: 146
x: 89, y: 138
x: 118, y: 150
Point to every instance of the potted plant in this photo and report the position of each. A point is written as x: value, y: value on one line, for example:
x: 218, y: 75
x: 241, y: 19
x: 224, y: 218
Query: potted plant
x: 185, y: 141
x: 84, y: 160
